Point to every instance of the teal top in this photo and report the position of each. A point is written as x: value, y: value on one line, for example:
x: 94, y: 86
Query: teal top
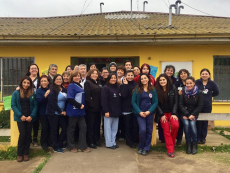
x: 136, y: 101
x: 16, y: 106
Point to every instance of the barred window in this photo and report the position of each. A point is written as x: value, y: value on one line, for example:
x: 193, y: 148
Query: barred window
x: 11, y: 71
x: 222, y: 77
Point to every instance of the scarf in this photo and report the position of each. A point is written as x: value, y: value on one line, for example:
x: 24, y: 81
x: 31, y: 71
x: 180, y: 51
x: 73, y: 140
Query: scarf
x: 192, y: 92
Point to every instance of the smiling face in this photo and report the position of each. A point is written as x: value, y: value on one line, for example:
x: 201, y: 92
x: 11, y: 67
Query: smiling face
x: 144, y: 80
x: 113, y: 68
x: 130, y: 76
x: 58, y: 81
x: 82, y: 70
x: 92, y: 67
x: 44, y: 82
x: 94, y: 75
x: 169, y: 72
x: 183, y: 75
x: 120, y: 72
x: 53, y: 71
x: 136, y: 71
x: 145, y: 70
x: 105, y: 74
x: 33, y: 70
x: 113, y: 80
x: 66, y: 78
x: 69, y: 69
x: 77, y: 78
x: 163, y: 81
x: 189, y: 84
x: 128, y: 65
x: 25, y: 84
x: 205, y: 75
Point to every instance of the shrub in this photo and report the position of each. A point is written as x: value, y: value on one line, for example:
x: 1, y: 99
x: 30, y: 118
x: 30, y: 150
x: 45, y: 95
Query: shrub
x: 4, y: 119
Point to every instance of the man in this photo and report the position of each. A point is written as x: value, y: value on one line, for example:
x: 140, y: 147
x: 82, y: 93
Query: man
x: 104, y: 76
x: 82, y: 69
x: 52, y: 72
x: 128, y: 65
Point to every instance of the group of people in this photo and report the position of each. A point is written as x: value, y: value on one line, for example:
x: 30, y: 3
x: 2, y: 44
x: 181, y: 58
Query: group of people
x: 70, y: 106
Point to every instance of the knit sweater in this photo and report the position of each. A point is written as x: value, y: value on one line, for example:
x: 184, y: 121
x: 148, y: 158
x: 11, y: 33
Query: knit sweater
x: 41, y: 100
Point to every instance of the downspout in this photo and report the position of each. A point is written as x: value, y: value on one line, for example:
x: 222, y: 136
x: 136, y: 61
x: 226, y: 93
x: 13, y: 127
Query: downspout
x: 101, y: 6
x: 145, y: 2
x: 1, y: 77
x: 180, y: 7
x: 177, y: 7
x: 170, y: 13
x: 131, y: 10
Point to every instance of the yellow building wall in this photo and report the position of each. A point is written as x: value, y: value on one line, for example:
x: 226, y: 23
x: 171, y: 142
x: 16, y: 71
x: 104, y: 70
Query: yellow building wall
x: 200, y: 55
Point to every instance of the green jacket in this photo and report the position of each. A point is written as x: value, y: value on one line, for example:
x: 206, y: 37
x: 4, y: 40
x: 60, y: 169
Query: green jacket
x: 16, y: 106
x: 136, y: 101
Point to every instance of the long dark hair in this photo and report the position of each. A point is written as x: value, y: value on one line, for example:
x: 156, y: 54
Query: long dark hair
x: 140, y: 87
x: 109, y: 77
x: 29, y: 91
x: 28, y: 72
x: 163, y: 96
x: 168, y: 67
x: 55, y: 87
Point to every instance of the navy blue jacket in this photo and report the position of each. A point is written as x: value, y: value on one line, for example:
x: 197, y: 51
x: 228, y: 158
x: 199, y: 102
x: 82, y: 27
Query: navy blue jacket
x: 52, y: 105
x: 111, y: 100
x: 179, y: 83
x: 41, y: 100
x: 126, y: 94
x: 212, y: 91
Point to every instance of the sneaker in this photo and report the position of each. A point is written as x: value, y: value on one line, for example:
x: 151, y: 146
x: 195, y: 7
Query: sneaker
x: 116, y: 146
x: 84, y: 150
x: 121, y: 139
x: 172, y: 155
x: 64, y: 147
x: 59, y: 150
x: 74, y: 150
x: 178, y: 142
x: 113, y: 147
x: 145, y: 153
x: 139, y: 151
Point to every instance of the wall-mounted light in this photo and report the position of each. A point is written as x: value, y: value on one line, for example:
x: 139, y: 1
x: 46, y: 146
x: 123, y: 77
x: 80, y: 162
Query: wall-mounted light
x: 149, y: 58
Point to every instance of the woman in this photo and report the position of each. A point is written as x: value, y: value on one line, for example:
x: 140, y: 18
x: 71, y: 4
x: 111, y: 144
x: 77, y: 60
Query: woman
x: 24, y: 105
x: 130, y: 120
x: 92, y: 65
x: 33, y: 73
x: 93, y: 108
x: 170, y: 71
x: 69, y: 69
x: 145, y: 68
x: 190, y: 104
x: 76, y: 111
x: 120, y: 74
x: 41, y: 96
x: 144, y: 102
x: 56, y: 113
x: 209, y: 89
x: 167, y: 111
x: 112, y: 67
x: 137, y: 71
x: 65, y: 76
x: 180, y: 84
x: 111, y: 107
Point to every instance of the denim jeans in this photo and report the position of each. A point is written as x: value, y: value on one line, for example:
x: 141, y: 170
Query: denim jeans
x: 190, y: 130
x: 110, y: 130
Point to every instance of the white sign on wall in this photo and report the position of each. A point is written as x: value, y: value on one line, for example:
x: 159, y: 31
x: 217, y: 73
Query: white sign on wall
x: 178, y: 65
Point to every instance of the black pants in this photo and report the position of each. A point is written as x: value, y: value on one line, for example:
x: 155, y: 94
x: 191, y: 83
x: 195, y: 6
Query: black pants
x: 80, y: 122
x: 45, y: 133
x: 35, y: 130
x: 180, y: 130
x: 93, y: 121
x: 55, y: 122
x: 121, y: 127
x: 131, y: 129
x: 160, y: 132
x: 24, y: 129
x: 202, y: 130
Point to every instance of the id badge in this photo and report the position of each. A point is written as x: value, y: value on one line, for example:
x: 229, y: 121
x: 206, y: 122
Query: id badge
x: 180, y: 88
x: 205, y: 91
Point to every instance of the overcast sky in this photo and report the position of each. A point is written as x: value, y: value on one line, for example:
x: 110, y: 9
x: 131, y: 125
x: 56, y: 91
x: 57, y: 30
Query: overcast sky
x: 48, y: 8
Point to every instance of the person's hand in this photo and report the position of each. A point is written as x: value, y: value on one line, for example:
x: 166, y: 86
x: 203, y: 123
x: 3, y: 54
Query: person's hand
x: 107, y: 114
x: 180, y: 92
x: 82, y: 106
x: 125, y: 80
x: 174, y: 117
x: 63, y: 113
x: 28, y: 119
x: 142, y: 114
x: 23, y: 118
x: 18, y: 88
x: 47, y: 93
x: 191, y: 117
x: 163, y: 119
x: 185, y: 118
x: 119, y: 82
x: 147, y: 113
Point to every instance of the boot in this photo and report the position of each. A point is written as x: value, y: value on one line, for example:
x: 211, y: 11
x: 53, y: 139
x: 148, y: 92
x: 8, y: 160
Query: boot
x: 188, y: 148
x: 26, y: 158
x: 19, y: 158
x: 194, y: 148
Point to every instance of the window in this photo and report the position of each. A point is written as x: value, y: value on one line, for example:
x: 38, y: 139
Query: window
x: 222, y: 77
x: 11, y: 71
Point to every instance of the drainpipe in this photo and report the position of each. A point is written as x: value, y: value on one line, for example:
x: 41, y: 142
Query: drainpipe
x: 131, y: 10
x: 170, y: 13
x: 101, y: 6
x: 177, y: 8
x: 145, y: 2
x: 180, y: 7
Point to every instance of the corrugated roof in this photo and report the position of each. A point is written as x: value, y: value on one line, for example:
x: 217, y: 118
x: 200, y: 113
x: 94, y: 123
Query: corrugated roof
x: 115, y: 24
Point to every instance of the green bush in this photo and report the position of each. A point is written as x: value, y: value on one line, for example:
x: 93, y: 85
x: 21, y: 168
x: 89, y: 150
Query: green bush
x: 9, y: 154
x: 4, y: 119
